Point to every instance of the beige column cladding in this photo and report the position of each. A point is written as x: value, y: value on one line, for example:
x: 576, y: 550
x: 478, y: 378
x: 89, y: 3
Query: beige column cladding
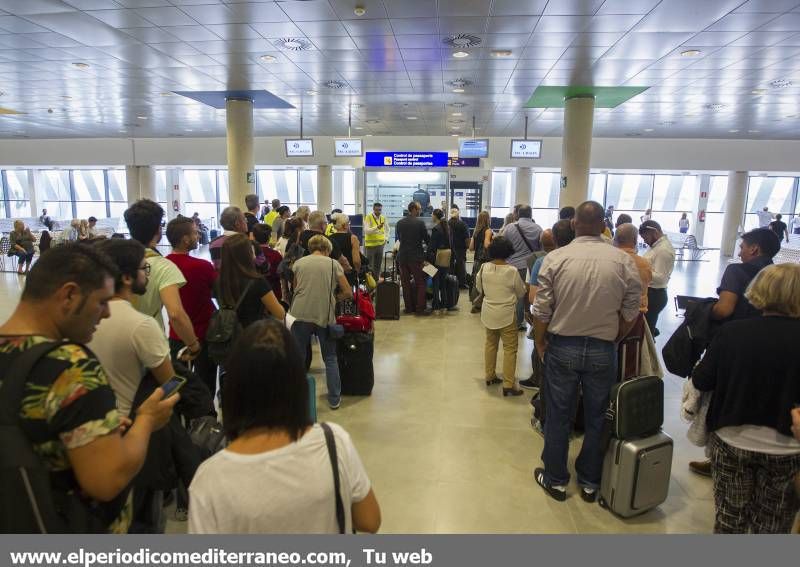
x: 522, y: 194
x: 147, y: 183
x: 576, y: 150
x: 734, y: 211
x: 324, y: 188
x: 241, y: 156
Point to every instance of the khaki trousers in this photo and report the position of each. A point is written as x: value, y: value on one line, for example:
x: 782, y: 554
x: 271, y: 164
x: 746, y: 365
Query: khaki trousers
x: 510, y: 337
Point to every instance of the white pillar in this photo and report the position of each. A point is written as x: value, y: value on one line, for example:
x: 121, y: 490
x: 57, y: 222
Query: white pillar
x: 361, y: 207
x: 324, y: 188
x: 132, y: 183
x: 734, y: 210
x: 576, y: 150
x: 147, y: 183
x: 698, y: 226
x: 33, y: 178
x: 524, y: 184
x: 241, y: 156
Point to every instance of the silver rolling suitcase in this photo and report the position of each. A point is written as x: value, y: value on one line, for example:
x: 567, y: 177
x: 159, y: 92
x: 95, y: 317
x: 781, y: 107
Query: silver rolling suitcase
x: 636, y: 474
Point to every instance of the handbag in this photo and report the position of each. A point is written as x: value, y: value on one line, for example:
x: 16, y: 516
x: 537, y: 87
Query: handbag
x: 477, y: 301
x: 443, y: 256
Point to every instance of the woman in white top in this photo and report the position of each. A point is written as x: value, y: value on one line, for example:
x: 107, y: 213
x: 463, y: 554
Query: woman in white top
x: 683, y: 224
x: 501, y: 287
x: 276, y: 474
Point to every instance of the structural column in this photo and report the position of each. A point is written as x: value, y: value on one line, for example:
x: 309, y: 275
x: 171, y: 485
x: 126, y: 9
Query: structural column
x: 698, y: 220
x: 132, y: 183
x: 147, y: 183
x: 524, y: 183
x: 324, y: 188
x: 734, y: 210
x: 33, y: 176
x: 576, y: 150
x: 241, y: 156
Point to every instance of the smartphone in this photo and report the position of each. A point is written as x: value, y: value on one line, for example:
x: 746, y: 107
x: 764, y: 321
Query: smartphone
x: 173, y: 385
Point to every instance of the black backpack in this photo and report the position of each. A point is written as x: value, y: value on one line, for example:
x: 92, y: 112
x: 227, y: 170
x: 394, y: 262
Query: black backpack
x: 30, y: 501
x: 224, y: 328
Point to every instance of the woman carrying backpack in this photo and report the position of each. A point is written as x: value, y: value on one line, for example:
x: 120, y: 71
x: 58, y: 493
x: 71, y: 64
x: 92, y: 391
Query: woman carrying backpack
x: 239, y: 282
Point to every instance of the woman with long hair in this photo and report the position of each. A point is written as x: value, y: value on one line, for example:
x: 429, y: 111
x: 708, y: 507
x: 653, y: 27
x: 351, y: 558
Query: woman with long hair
x: 479, y: 244
x: 440, y: 241
x: 240, y: 282
x: 275, y: 475
x: 347, y: 243
x: 289, y: 248
x: 22, y: 246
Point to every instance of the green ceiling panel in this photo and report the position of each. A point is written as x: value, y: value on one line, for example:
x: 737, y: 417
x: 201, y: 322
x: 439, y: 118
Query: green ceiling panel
x: 604, y: 97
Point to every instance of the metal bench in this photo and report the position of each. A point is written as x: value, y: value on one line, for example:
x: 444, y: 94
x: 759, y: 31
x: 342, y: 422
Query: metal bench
x: 690, y: 251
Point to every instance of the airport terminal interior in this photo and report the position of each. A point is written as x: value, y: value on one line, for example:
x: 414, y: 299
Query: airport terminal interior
x: 661, y: 109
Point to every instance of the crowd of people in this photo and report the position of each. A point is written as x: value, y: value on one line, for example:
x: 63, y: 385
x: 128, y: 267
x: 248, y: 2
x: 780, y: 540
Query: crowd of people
x: 97, y: 418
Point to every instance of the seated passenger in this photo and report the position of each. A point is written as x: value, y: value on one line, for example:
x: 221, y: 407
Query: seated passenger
x: 751, y: 368
x: 69, y: 412
x: 21, y: 240
x: 275, y: 476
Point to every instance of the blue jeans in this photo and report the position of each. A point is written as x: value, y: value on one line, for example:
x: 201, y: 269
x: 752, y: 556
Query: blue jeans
x: 570, y: 362
x: 302, y: 332
x: 23, y: 258
x: 440, y: 291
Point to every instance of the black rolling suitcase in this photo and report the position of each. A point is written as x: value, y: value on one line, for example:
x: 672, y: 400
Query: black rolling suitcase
x: 387, y: 296
x: 354, y: 352
x: 451, y: 285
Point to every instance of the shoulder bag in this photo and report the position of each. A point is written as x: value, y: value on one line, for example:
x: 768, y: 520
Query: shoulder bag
x: 330, y: 443
x: 532, y: 258
x: 335, y: 330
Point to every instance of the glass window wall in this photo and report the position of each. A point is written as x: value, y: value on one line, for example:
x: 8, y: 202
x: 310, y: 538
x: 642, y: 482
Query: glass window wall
x: 778, y: 194
x: 15, y: 204
x: 502, y: 192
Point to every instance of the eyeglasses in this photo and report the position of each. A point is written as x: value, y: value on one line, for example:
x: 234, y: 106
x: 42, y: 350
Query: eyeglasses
x: 146, y: 269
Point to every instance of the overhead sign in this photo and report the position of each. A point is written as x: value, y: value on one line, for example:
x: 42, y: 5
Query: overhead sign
x: 464, y: 162
x: 473, y: 148
x: 406, y: 159
x: 349, y: 147
x: 526, y: 149
x: 300, y: 148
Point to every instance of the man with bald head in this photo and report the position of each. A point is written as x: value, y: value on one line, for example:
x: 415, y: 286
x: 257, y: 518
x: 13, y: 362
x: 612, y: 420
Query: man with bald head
x: 589, y: 297
x: 626, y: 238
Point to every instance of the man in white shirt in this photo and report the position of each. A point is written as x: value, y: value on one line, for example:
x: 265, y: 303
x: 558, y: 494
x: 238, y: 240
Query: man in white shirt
x: 129, y: 343
x: 764, y: 217
x: 796, y: 224
x: 661, y: 256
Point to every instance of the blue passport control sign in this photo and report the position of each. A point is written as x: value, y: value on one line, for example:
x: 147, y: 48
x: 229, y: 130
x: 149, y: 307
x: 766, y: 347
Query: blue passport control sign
x: 406, y: 159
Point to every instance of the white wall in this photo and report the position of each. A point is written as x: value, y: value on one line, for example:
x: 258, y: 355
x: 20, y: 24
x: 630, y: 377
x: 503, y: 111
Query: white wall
x: 607, y: 153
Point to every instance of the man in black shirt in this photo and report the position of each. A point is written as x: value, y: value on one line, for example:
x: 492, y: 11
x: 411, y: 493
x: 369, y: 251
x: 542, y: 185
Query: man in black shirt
x: 459, y: 233
x: 411, y: 233
x: 316, y: 225
x: 756, y: 250
x: 251, y: 216
x: 779, y: 227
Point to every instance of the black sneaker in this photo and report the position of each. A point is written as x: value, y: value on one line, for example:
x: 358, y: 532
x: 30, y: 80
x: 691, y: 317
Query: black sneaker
x: 529, y: 384
x: 589, y: 494
x: 556, y: 492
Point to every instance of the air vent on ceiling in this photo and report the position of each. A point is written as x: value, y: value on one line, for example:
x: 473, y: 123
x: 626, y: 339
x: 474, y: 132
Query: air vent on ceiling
x: 668, y: 123
x: 457, y: 121
x: 334, y: 84
x: 780, y: 84
x: 459, y: 83
x: 292, y: 43
x: 633, y: 134
x: 462, y: 40
x: 715, y: 106
x: 458, y: 104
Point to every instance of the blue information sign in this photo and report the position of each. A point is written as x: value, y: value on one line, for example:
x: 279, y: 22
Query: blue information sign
x: 406, y: 159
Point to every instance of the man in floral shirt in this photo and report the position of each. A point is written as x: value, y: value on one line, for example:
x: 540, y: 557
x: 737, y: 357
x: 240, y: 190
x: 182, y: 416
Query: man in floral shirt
x: 68, y: 410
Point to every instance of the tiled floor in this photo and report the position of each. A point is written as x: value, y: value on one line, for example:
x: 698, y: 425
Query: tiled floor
x: 447, y: 456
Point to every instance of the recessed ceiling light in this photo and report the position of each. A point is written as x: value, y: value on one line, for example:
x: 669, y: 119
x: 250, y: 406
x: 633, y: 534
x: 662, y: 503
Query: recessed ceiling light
x: 142, y: 117
x: 454, y: 135
x: 458, y: 113
x: 268, y: 58
x: 460, y: 54
x: 501, y: 53
x: 80, y: 65
x: 648, y: 129
x: 458, y: 90
x: 733, y: 131
x: 165, y: 93
x: 311, y: 93
x: 359, y: 127
x: 189, y: 130
x: 691, y: 53
x: 753, y: 131
x: 369, y: 135
x: 411, y: 117
x: 759, y: 92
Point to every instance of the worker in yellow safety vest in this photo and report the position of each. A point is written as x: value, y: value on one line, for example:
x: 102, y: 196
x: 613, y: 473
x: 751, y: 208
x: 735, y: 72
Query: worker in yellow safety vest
x: 376, y: 235
x: 330, y: 229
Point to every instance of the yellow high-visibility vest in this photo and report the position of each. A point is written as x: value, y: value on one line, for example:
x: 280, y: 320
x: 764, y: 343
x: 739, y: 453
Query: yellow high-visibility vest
x: 379, y: 238
x: 330, y: 229
x: 270, y: 217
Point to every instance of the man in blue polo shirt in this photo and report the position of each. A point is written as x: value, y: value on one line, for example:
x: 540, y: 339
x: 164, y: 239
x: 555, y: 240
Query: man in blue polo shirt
x: 524, y: 236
